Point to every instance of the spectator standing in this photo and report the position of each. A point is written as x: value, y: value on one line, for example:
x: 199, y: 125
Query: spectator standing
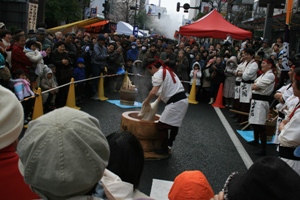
x: 196, y: 74
x: 181, y: 66
x: 64, y: 71
x: 98, y: 62
x: 133, y: 52
x: 229, y: 83
x: 48, y: 82
x: 18, y: 58
x: 79, y: 74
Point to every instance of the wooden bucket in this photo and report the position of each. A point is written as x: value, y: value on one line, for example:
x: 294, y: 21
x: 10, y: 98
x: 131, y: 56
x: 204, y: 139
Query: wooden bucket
x: 145, y: 131
x: 127, y: 97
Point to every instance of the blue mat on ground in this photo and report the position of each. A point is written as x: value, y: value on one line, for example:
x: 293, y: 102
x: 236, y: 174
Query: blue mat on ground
x: 249, y: 136
x: 117, y: 103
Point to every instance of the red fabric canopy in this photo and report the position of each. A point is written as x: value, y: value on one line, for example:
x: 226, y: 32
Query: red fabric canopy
x: 96, y: 27
x: 213, y: 25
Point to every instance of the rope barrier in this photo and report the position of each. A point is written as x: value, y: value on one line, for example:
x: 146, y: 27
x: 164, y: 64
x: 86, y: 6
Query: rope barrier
x: 87, y: 79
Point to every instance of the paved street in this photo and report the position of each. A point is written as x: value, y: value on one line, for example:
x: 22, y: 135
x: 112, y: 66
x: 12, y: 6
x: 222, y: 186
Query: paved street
x: 203, y: 143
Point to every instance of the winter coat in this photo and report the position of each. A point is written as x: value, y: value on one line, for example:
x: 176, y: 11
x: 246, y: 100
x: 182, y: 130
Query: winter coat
x: 79, y: 74
x: 19, y: 60
x: 37, y: 59
x: 12, y: 183
x: 99, y: 55
x: 132, y: 54
x: 22, y: 88
x: 64, y: 73
x: 196, y: 75
x: 46, y: 83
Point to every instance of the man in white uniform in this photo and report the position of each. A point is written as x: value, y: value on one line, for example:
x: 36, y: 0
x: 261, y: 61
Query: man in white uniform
x: 168, y: 86
x: 261, y: 90
x: 248, y: 77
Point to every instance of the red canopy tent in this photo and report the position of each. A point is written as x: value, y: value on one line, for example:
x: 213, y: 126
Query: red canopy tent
x: 213, y: 25
x: 96, y: 27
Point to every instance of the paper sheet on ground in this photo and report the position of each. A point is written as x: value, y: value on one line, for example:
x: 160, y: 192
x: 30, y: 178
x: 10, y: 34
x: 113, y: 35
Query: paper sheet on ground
x: 160, y: 189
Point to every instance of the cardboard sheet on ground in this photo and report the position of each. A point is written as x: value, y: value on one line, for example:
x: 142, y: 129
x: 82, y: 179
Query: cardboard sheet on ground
x: 118, y: 103
x: 248, y: 136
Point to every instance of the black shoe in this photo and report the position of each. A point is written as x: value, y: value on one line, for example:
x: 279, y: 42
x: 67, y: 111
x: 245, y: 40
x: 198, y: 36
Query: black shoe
x: 260, y: 152
x: 253, y: 142
x: 162, y: 151
x: 233, y: 116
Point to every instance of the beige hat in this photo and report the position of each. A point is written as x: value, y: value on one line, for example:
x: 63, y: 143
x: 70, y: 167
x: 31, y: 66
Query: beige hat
x: 11, y: 117
x: 63, y: 154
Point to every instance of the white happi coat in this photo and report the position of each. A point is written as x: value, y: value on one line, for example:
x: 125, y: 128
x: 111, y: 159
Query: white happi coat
x: 290, y: 137
x: 249, y: 74
x: 173, y: 113
x: 259, y: 109
x: 240, y: 68
x: 290, y: 101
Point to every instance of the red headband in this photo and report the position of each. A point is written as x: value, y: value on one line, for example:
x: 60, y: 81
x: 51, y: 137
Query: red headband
x: 267, y: 61
x: 296, y: 77
x: 293, y: 66
x: 155, y: 62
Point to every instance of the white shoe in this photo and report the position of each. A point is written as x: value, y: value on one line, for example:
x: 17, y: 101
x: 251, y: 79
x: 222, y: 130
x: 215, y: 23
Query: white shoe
x: 95, y: 97
x: 211, y: 101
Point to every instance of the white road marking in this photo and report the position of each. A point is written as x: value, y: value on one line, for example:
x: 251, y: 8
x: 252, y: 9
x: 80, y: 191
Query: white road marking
x: 238, y: 145
x: 160, y: 189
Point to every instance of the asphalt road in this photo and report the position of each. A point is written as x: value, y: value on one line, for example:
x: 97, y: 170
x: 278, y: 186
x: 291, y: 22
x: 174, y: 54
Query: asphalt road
x: 202, y: 143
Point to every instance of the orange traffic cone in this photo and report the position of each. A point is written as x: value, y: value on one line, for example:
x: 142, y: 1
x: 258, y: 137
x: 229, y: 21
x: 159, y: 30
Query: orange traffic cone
x: 38, y: 105
x: 219, y: 101
x: 71, y: 102
x: 192, y: 96
x: 101, y: 89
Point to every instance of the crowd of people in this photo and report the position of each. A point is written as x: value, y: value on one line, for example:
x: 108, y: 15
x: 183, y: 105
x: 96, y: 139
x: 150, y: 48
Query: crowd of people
x: 254, y: 82
x: 65, y: 155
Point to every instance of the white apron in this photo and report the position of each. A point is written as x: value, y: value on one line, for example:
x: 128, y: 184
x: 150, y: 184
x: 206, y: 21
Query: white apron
x: 245, y: 92
x: 236, y: 91
x: 174, y: 113
x: 259, y: 111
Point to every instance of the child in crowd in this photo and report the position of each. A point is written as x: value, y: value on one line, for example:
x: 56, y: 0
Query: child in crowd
x: 31, y: 50
x: 79, y: 74
x: 53, y: 68
x: 22, y: 89
x: 196, y: 74
x: 47, y: 83
x: 129, y: 65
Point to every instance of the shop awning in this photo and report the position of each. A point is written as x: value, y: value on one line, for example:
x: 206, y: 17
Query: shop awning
x: 96, y: 27
x: 71, y: 27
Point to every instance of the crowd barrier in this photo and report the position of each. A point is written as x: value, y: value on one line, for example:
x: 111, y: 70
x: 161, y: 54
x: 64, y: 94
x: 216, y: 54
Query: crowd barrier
x: 38, y: 109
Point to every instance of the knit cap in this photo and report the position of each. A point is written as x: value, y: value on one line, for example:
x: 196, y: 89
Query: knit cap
x: 63, y: 154
x: 11, y: 118
x: 191, y: 185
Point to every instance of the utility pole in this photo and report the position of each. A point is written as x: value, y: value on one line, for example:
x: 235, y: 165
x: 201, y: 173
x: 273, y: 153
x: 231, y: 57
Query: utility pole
x: 135, y: 30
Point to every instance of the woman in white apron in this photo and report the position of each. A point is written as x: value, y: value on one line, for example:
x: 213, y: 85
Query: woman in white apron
x: 289, y: 137
x: 259, y: 108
